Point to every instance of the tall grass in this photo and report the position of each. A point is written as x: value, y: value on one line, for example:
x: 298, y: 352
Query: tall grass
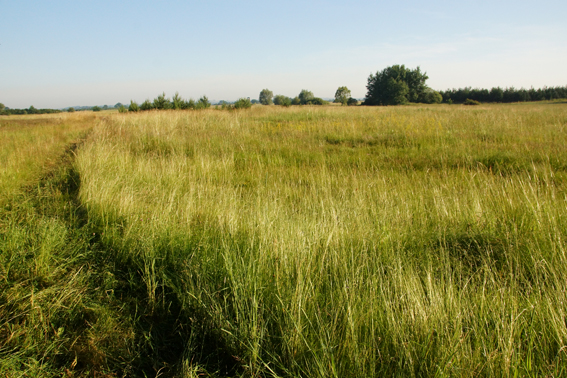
x: 414, y: 241
x: 30, y: 145
x: 54, y: 319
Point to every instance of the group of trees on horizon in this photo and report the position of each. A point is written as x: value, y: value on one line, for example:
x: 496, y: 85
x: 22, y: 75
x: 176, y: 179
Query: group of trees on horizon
x: 163, y: 103
x: 506, y: 95
x: 305, y: 97
x: 398, y: 85
x: 31, y: 110
x: 394, y: 85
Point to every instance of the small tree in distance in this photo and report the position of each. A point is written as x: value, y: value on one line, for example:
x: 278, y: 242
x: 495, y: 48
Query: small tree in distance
x: 352, y: 102
x: 282, y: 100
x: 342, y: 95
x: 305, y: 96
x: 266, y: 97
x: 146, y: 105
x: 161, y: 102
x: 71, y: 110
x: 243, y: 103
x: 177, y: 102
x: 133, y: 106
x: 203, y: 103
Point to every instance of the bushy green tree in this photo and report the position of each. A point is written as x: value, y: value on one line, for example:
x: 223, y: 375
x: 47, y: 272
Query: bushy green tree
x: 190, y: 104
x: 296, y: 101
x: 177, y: 102
x: 266, y: 96
x: 431, y: 97
x: 96, y: 109
x: 161, y: 103
x: 342, y: 95
x: 118, y: 105
x: 317, y: 101
x: 203, y: 103
x: 243, y: 103
x: 352, y: 102
x: 71, y: 110
x: 282, y: 100
x: 133, y: 106
x: 2, y: 107
x: 122, y: 109
x: 305, y: 96
x: 146, y: 105
x: 395, y: 85
x: 496, y: 94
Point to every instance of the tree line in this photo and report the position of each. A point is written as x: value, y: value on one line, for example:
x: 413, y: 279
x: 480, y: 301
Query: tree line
x: 31, y: 110
x: 398, y: 85
x: 394, y: 85
x: 497, y: 94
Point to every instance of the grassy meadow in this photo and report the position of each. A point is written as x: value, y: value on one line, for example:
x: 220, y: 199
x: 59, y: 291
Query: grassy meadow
x: 287, y: 242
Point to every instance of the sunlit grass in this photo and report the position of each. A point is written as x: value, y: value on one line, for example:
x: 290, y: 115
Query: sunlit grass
x: 30, y: 145
x: 342, y: 241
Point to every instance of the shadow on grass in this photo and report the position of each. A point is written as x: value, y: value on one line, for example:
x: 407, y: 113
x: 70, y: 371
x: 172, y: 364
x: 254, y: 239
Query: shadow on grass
x: 115, y: 330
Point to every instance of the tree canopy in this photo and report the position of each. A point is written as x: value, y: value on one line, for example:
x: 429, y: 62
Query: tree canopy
x: 305, y: 96
x: 396, y: 85
x: 266, y: 97
x: 282, y: 100
x: 342, y: 95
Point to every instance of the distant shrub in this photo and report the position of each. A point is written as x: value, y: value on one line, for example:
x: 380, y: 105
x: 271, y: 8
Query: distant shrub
x: 305, y: 97
x: 296, y: 101
x: 161, y: 102
x: 133, y: 106
x: 342, y: 96
x: 177, y: 102
x: 317, y: 101
x: 146, y: 105
x: 352, y: 101
x: 190, y: 104
x: 431, y: 97
x: 282, y: 100
x: 266, y: 97
x: 71, y: 110
x: 243, y: 103
x: 203, y: 103
x: 468, y: 101
x: 96, y: 109
x: 122, y: 109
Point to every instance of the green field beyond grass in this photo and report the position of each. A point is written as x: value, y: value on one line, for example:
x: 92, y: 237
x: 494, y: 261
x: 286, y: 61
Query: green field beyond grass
x: 297, y: 242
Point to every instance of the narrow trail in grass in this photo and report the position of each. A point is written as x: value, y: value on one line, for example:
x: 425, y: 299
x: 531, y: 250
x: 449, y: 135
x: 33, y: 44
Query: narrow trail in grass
x: 69, y: 304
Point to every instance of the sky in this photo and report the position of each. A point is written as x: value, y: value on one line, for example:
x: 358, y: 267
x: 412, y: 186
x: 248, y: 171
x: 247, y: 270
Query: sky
x: 55, y: 54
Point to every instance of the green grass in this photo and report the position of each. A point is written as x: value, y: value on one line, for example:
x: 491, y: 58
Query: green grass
x: 309, y: 241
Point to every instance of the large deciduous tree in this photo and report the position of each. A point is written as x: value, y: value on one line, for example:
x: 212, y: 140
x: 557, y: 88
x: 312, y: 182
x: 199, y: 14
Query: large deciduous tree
x: 305, y: 96
x: 342, y: 95
x: 266, y: 96
x: 396, y: 85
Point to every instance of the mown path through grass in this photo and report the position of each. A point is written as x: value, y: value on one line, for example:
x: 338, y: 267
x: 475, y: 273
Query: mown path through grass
x: 67, y: 305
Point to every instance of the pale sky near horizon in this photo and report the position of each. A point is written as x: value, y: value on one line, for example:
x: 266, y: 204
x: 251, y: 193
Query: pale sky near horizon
x: 67, y: 53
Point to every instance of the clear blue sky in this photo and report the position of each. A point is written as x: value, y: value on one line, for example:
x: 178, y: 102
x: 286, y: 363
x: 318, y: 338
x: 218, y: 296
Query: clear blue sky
x: 66, y: 53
